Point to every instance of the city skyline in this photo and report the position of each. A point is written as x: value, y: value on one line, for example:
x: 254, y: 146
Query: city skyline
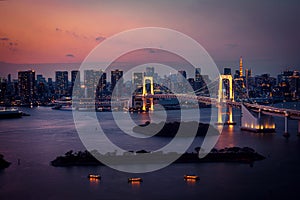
x: 65, y: 32
x: 139, y: 99
x: 46, y: 70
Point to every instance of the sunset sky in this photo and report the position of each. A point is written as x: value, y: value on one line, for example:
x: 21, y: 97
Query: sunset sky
x: 266, y: 33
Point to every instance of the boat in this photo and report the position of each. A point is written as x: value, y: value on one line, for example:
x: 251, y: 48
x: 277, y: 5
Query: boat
x: 64, y: 103
x: 131, y: 180
x: 191, y: 177
x: 7, y: 113
x: 94, y: 176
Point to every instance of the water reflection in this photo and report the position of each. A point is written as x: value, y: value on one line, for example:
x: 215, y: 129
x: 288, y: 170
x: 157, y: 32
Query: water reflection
x: 135, y: 184
x: 191, y: 182
x: 94, y: 181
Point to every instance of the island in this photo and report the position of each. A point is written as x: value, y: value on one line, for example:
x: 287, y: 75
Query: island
x: 170, y: 129
x: 230, y: 154
x: 3, y: 163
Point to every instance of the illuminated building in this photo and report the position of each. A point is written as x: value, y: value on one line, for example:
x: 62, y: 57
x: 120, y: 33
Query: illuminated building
x: 149, y: 71
x: 116, y: 80
x: 26, y: 81
x: 102, y: 85
x: 91, y: 82
x: 75, y: 74
x: 198, y: 77
x: 137, y: 81
x: 61, y: 81
x: 181, y: 82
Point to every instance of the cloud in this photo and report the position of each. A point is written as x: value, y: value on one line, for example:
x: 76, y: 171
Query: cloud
x: 100, y: 38
x: 4, y: 39
x: 70, y: 55
x: 8, y: 43
x: 79, y: 35
x: 58, y: 29
x: 151, y: 50
x: 70, y: 33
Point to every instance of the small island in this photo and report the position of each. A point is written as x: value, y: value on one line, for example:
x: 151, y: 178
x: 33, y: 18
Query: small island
x: 3, y: 163
x: 170, y: 129
x: 231, y: 154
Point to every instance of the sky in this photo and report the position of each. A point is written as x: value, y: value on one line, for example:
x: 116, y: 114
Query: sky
x: 41, y: 34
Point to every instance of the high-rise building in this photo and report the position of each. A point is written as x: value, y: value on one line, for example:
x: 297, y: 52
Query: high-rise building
x: 51, y: 89
x: 236, y: 74
x: 198, y: 77
x: 182, y: 73
x: 116, y: 76
x: 41, y: 88
x: 61, y: 81
x: 241, y: 67
x: 149, y: 71
x: 137, y: 81
x: 91, y: 81
x: 3, y: 88
x: 192, y: 82
x: 75, y: 83
x: 181, y: 82
x: 199, y: 83
x: 75, y: 74
x: 248, y: 73
x: 102, y: 85
x: 26, y: 80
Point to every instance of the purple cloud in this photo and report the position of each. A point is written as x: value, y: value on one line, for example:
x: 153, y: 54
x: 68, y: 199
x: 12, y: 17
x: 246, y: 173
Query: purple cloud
x: 70, y: 55
x: 4, y: 39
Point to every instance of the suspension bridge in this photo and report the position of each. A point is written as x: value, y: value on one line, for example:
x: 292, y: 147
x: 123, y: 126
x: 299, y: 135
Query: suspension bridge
x: 249, y: 120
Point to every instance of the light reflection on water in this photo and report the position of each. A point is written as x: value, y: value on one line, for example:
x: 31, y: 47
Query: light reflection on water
x: 39, y: 138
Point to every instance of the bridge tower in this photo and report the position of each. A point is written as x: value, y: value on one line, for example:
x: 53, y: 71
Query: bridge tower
x: 148, y: 78
x: 221, y: 98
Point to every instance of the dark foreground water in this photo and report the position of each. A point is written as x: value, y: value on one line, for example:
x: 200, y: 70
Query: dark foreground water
x: 39, y: 138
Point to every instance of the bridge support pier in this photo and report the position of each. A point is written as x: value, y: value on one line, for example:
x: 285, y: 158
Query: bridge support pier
x: 230, y: 116
x: 220, y: 121
x: 298, y: 128
x: 229, y: 113
x: 286, y: 134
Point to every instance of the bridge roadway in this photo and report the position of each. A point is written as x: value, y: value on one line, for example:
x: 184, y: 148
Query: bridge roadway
x: 268, y: 110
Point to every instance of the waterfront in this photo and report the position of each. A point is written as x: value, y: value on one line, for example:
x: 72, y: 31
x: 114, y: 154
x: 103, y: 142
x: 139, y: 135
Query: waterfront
x: 39, y: 138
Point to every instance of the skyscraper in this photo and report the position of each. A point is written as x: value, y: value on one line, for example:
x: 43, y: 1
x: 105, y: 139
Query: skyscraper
x: 149, y: 71
x: 26, y: 81
x: 61, y: 81
x: 198, y: 79
x: 197, y: 74
x: 102, y: 85
x: 91, y: 81
x: 75, y: 74
x: 137, y: 81
x: 183, y: 73
x: 116, y: 75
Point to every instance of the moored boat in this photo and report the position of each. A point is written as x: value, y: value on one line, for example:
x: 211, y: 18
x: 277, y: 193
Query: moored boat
x: 191, y: 177
x: 130, y: 180
x: 94, y: 176
x: 6, y: 113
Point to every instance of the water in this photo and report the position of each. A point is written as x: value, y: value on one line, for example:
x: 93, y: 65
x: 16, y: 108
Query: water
x: 39, y: 138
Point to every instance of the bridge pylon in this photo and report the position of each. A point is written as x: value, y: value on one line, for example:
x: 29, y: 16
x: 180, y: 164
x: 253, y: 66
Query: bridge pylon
x: 222, y: 97
x: 151, y: 107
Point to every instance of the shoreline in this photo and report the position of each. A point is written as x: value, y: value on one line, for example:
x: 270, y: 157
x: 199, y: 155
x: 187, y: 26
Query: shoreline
x: 231, y: 154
